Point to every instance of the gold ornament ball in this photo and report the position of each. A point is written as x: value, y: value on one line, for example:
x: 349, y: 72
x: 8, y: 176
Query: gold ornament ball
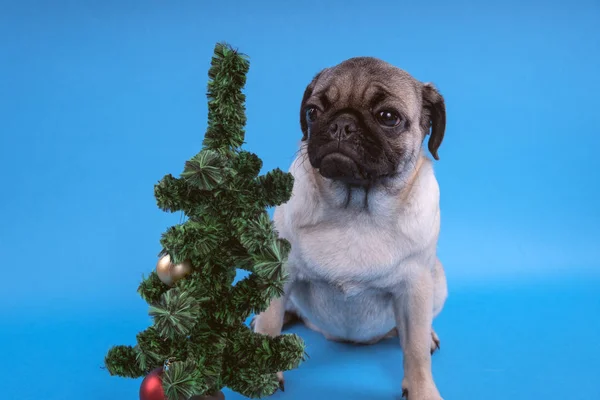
x: 163, y: 270
x: 179, y: 271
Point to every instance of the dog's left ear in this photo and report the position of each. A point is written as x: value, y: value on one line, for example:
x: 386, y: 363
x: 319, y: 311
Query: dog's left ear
x: 433, y: 118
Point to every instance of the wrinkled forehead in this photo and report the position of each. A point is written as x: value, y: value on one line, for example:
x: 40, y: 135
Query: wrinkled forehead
x: 361, y: 81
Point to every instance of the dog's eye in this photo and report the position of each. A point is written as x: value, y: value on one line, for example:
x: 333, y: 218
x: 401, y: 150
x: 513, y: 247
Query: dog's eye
x: 311, y: 114
x: 388, y: 118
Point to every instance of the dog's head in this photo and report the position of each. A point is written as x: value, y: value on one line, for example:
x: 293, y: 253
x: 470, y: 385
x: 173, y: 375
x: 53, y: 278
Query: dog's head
x: 365, y: 120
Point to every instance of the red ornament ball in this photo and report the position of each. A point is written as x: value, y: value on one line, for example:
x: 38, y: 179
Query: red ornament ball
x: 151, y: 388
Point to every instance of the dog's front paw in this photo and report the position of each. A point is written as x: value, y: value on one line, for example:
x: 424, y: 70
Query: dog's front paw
x: 420, y: 390
x: 281, y: 381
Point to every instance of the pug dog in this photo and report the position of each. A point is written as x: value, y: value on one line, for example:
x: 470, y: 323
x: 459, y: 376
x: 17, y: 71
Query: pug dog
x: 363, y: 218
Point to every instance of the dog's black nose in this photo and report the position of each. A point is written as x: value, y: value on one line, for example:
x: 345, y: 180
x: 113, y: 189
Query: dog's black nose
x: 343, y: 128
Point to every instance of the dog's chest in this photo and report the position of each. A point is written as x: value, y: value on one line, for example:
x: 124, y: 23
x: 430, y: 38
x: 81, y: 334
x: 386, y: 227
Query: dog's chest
x: 351, y: 255
x: 341, y: 274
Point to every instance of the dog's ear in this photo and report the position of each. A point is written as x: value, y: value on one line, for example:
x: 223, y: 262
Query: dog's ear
x: 307, y: 93
x: 433, y: 118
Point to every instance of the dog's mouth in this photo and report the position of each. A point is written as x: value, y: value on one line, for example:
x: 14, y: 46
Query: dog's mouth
x: 338, y: 162
x: 340, y: 167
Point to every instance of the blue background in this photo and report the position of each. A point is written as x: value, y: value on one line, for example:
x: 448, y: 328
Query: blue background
x: 100, y: 99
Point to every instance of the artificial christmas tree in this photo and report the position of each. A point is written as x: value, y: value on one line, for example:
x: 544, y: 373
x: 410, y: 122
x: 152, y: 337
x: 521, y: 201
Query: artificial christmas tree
x: 199, y: 342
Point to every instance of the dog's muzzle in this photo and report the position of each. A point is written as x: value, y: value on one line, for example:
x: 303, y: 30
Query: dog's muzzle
x: 340, y: 167
x: 337, y: 159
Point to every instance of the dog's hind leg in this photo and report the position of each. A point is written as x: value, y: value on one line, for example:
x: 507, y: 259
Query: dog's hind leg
x: 439, y: 298
x: 271, y: 322
x: 435, y: 341
x: 440, y: 288
x: 289, y: 318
